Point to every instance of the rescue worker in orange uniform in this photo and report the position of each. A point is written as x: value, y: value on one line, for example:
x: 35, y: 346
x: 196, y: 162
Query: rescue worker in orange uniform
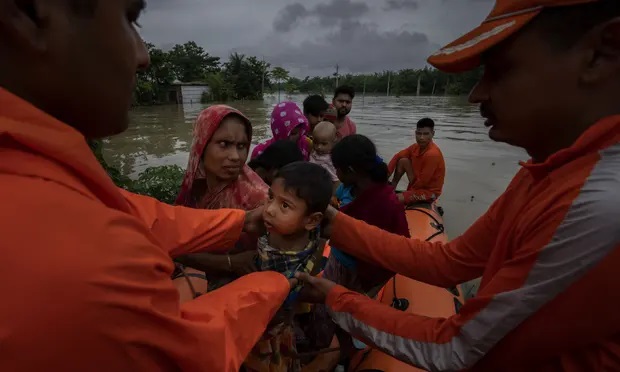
x: 86, y: 267
x: 548, y: 249
x: 423, y: 164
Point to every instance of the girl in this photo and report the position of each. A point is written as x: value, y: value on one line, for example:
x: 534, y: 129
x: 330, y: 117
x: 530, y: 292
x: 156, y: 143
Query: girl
x: 366, y: 195
x: 287, y: 122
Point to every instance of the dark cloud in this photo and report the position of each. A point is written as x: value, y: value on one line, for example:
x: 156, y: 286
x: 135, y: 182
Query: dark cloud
x: 355, y: 46
x: 289, y: 16
x: 309, y: 37
x: 401, y: 5
x: 326, y: 13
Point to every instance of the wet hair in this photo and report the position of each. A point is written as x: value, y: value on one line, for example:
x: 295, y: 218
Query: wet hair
x: 84, y: 7
x: 310, y: 182
x: 358, y: 153
x: 426, y: 123
x: 315, y: 105
x: 344, y: 89
x: 277, y: 155
x: 563, y: 26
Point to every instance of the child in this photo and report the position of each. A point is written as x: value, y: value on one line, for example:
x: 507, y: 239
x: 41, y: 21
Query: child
x: 276, y: 156
x: 365, y: 195
x: 324, y: 139
x: 298, y: 197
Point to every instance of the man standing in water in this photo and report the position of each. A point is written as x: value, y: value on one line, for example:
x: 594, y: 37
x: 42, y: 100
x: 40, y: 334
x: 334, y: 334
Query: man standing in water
x: 86, y: 267
x: 548, y: 249
x: 343, y: 102
x: 423, y: 164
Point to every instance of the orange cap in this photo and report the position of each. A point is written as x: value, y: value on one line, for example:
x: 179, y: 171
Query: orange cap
x: 506, y: 18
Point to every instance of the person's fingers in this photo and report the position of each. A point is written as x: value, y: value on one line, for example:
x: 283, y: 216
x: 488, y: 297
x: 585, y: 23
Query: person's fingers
x: 304, y: 277
x: 293, y: 282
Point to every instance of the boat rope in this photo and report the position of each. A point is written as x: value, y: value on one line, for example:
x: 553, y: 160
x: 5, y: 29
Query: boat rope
x: 402, y: 304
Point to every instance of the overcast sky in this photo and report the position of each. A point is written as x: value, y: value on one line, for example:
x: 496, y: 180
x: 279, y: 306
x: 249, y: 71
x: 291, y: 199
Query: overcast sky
x: 310, y: 37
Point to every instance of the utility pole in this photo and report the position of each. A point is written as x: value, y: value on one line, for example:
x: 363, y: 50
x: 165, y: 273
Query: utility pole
x: 389, y: 78
x: 337, y: 75
x: 262, y: 89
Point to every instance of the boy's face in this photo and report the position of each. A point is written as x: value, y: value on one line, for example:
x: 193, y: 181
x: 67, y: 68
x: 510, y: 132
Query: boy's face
x: 314, y: 120
x: 286, y: 214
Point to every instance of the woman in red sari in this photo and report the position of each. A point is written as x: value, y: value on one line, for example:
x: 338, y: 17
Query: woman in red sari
x: 217, y: 177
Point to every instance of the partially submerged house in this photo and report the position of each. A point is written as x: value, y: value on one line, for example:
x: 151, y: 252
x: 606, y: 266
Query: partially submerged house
x: 186, y: 93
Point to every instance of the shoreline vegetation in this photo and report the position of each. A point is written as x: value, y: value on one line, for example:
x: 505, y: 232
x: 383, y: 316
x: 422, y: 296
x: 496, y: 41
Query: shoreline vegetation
x: 245, y: 77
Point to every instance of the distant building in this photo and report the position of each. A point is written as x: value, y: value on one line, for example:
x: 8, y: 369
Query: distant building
x: 186, y: 93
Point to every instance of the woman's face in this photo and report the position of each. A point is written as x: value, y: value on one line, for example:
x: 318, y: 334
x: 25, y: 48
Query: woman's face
x: 295, y: 134
x: 227, y: 151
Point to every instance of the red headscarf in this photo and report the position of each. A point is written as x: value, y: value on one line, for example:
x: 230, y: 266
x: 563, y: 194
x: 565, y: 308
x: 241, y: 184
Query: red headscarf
x: 246, y: 192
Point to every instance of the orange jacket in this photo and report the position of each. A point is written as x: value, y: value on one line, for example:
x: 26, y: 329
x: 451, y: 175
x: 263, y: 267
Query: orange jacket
x: 429, y: 168
x: 548, y: 251
x: 85, y: 269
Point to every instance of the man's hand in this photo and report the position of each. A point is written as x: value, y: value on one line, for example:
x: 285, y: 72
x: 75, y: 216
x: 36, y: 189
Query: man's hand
x: 243, y: 263
x: 401, y: 197
x: 254, y: 222
x: 315, y: 289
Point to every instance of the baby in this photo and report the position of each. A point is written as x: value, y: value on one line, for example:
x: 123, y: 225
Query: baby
x: 324, y: 139
x: 298, y: 197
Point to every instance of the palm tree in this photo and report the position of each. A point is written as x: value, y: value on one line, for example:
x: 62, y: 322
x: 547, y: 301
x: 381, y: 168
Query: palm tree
x: 280, y: 75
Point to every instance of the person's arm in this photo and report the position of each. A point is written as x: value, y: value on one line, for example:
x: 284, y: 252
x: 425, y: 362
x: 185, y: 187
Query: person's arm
x: 100, y: 298
x: 406, y: 153
x: 435, y: 263
x: 563, y: 246
x: 183, y: 230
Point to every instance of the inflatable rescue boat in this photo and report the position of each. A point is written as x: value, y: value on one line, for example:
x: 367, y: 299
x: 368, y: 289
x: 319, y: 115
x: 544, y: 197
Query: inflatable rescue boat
x: 425, y: 223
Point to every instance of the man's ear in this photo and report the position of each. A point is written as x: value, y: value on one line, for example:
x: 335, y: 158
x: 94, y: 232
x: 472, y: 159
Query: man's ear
x: 22, y: 23
x: 602, y: 52
x: 313, y: 221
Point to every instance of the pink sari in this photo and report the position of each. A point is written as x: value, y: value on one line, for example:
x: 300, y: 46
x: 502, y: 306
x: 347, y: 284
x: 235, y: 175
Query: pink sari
x: 285, y: 117
x: 247, y: 192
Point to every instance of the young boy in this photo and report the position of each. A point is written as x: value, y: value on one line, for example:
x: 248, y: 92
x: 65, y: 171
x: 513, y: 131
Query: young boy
x: 314, y: 109
x: 325, y: 135
x: 298, y: 197
x: 424, y: 165
x: 276, y: 156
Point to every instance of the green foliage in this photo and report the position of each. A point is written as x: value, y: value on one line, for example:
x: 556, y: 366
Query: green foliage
x: 162, y: 183
x: 245, y: 77
x: 403, y: 82
x: 191, y: 63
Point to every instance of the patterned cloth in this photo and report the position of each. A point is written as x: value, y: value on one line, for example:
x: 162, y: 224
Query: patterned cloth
x: 275, y: 352
x: 324, y: 161
x: 277, y: 349
x: 285, y: 117
x: 286, y: 262
x: 246, y: 193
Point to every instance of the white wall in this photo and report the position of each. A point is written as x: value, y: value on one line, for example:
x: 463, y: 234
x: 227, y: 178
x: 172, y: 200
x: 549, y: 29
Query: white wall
x: 192, y: 94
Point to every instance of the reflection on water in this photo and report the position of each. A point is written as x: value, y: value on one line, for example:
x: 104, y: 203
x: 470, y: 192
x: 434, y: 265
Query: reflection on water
x: 477, y: 169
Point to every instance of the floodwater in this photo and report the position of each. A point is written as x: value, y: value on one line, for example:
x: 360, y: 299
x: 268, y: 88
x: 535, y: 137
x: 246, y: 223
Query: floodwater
x: 478, y: 169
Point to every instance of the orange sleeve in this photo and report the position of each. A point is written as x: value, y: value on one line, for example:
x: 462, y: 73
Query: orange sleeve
x: 183, y: 230
x: 406, y: 153
x: 93, y: 293
x: 436, y: 263
x: 551, y: 259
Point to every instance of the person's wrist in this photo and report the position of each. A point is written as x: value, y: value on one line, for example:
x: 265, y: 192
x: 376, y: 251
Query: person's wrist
x: 331, y: 213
